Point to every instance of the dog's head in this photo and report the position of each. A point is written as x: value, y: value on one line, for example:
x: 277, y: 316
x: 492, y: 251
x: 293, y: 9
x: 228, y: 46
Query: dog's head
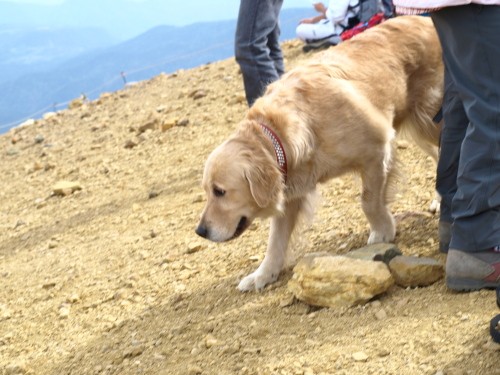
x: 242, y: 181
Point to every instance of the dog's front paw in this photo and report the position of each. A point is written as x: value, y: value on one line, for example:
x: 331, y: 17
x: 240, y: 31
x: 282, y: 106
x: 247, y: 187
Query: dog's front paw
x: 378, y: 237
x: 257, y: 280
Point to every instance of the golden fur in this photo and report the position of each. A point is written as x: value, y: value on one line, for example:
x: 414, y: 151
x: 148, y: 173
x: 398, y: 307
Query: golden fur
x: 337, y: 113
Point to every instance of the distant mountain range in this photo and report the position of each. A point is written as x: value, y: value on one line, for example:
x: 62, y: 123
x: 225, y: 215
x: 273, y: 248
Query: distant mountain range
x: 42, y: 69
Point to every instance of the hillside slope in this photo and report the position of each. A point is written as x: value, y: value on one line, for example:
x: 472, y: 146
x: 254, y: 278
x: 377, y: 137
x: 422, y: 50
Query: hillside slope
x: 111, y: 279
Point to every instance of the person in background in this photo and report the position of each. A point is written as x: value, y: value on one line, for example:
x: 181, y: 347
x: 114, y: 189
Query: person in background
x: 468, y: 172
x: 388, y: 7
x: 257, y: 48
x: 326, y: 27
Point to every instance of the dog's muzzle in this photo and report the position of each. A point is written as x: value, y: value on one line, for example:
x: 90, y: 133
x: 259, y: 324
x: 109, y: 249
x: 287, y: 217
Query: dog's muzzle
x: 202, y: 231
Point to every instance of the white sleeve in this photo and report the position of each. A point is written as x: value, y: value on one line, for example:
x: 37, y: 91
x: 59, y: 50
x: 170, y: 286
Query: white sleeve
x: 337, y: 10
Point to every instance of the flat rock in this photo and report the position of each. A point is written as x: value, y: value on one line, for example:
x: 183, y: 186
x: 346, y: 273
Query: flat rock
x: 66, y: 187
x: 412, y: 271
x: 337, y: 281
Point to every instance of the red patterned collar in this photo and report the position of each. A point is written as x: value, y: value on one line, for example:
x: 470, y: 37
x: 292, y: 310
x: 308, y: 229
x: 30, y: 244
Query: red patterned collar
x: 278, y: 149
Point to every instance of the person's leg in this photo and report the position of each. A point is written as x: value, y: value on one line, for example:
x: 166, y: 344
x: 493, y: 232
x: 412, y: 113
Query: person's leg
x: 273, y: 42
x: 310, y: 32
x: 452, y: 135
x: 470, y: 37
x: 257, y: 20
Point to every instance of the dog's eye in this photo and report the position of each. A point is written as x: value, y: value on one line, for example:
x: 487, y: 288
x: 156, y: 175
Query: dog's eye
x: 219, y: 192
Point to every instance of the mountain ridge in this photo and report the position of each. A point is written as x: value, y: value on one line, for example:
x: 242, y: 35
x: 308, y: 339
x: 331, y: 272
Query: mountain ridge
x: 160, y: 49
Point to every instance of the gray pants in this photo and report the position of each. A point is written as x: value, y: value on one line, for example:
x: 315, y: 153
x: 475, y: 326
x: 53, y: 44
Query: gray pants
x: 468, y: 175
x: 257, y: 49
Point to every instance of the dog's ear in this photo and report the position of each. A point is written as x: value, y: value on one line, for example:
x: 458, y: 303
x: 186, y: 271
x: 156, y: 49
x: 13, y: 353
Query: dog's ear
x: 266, y: 184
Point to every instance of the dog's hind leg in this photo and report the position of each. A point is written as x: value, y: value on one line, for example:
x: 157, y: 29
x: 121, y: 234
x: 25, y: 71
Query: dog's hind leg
x: 279, y: 236
x: 374, y: 197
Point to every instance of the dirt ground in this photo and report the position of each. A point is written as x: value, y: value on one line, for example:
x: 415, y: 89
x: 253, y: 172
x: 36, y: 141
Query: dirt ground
x: 112, y: 279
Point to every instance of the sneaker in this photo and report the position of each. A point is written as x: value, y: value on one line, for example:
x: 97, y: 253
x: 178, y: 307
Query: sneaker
x: 444, y: 232
x: 472, y: 271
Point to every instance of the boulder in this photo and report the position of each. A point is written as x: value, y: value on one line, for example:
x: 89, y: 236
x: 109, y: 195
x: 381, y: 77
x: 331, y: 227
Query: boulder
x: 338, y: 281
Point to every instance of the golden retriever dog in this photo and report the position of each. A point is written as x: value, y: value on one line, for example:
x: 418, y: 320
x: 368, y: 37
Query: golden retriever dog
x: 337, y: 113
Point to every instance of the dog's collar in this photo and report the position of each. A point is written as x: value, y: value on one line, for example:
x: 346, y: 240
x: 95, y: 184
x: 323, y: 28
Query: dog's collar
x: 279, y: 150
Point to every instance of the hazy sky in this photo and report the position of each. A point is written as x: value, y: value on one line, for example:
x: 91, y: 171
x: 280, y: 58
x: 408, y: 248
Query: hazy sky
x: 188, y: 11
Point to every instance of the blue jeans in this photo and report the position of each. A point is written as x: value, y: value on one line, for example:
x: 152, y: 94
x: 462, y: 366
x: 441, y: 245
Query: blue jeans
x: 257, y: 48
x: 468, y: 175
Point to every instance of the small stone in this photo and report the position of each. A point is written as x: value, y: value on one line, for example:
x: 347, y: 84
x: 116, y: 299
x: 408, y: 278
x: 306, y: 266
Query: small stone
x: 151, y: 124
x: 381, y: 314
x: 64, y: 311
x: 198, y: 94
x: 49, y: 115
x: 133, y: 352
x: 66, y: 187
x: 194, y: 370
x: 76, y: 103
x: 383, y: 352
x: 289, y: 301
x: 198, y: 198
x: 360, y: 356
x: 210, y: 341
x: 40, y: 203
x: 193, y: 247
x: 168, y: 124
x: 73, y: 298
x: 37, y: 166
x: 130, y: 144
x: 183, y: 122
x: 49, y: 285
x: 4, y: 313
x: 39, y: 138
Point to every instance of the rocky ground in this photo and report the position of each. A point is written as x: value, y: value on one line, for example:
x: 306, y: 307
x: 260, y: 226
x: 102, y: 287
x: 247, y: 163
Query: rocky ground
x: 106, y: 276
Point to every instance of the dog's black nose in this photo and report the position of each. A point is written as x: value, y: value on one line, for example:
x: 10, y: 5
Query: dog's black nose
x: 202, y: 231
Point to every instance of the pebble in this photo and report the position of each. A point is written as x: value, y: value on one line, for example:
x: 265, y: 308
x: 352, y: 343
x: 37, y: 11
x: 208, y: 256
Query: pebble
x: 133, y: 352
x: 73, y: 298
x: 194, y: 370
x: 211, y: 341
x: 39, y: 138
x: 130, y: 144
x: 66, y: 187
x: 193, y: 247
x: 381, y: 314
x: 64, y: 311
x: 360, y: 356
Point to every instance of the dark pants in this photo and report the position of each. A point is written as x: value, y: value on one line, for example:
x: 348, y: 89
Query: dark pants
x: 468, y: 175
x: 257, y: 49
